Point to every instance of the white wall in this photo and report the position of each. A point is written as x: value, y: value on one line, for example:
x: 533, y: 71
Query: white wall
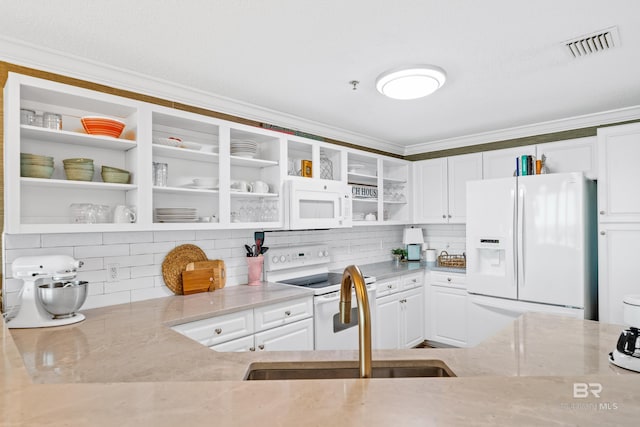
x: 139, y: 255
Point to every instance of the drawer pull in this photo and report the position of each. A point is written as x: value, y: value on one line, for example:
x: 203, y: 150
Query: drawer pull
x: 218, y: 331
x: 389, y: 286
x: 252, y: 349
x: 448, y: 279
x: 287, y: 313
x: 261, y: 346
x: 414, y: 280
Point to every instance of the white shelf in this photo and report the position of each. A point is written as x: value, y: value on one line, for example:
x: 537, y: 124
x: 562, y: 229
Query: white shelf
x: 65, y: 183
x: 365, y: 222
x: 364, y: 200
x: 75, y: 138
x: 358, y: 178
x: 394, y: 202
x: 185, y: 154
x: 253, y: 163
x: 183, y: 190
x: 77, y: 228
x: 239, y: 194
x: 394, y: 180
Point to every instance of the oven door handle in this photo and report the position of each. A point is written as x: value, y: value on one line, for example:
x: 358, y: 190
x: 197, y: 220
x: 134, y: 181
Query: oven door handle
x: 323, y: 299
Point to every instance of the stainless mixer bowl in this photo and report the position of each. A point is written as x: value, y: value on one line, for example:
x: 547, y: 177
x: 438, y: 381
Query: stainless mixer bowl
x: 62, y: 299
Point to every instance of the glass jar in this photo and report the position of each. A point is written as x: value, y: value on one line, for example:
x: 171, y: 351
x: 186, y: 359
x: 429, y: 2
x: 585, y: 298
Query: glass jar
x: 27, y: 116
x: 326, y: 166
x: 52, y: 121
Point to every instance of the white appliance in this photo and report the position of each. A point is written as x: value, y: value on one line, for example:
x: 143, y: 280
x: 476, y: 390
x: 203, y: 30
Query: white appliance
x: 33, y: 271
x: 627, y: 351
x: 307, y: 266
x: 530, y: 247
x: 317, y: 204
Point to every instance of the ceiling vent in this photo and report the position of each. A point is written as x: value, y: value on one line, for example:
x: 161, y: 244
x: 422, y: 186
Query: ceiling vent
x: 593, y: 43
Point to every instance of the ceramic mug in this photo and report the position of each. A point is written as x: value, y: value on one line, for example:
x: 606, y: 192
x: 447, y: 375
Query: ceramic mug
x: 259, y: 187
x: 123, y: 214
x: 239, y: 185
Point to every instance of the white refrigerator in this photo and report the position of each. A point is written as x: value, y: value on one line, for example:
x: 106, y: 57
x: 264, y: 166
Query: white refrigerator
x: 531, y: 246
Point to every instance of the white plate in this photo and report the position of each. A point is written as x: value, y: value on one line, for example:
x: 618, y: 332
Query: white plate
x: 247, y: 155
x: 179, y: 144
x: 200, y: 187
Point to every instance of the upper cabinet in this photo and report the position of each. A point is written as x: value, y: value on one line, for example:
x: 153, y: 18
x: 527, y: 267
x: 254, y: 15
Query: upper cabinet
x: 40, y: 192
x: 440, y: 187
x: 186, y: 170
x: 618, y: 151
x: 573, y: 155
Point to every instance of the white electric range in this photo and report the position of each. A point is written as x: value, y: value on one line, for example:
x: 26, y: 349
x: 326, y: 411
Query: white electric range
x: 307, y: 266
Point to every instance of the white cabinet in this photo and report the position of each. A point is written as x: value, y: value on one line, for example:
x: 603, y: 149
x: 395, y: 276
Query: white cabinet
x: 400, y: 313
x: 448, y: 309
x: 618, y: 152
x: 440, y: 187
x: 381, y: 189
x: 618, y: 268
x: 284, y: 326
x: 572, y: 155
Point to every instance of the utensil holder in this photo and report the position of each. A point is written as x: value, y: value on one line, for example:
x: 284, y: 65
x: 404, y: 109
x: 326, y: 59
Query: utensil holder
x: 255, y: 269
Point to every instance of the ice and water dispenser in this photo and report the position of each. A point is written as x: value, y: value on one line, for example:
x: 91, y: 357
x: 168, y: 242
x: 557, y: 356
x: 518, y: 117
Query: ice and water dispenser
x: 490, y: 257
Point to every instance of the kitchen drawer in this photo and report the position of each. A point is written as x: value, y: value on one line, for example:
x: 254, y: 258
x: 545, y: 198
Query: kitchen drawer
x: 456, y: 280
x: 240, y: 344
x: 282, y: 313
x: 218, y: 329
x: 411, y: 281
x: 387, y: 287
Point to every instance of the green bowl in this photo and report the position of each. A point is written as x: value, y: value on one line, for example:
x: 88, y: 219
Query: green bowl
x: 78, y: 174
x: 116, y: 177
x: 36, y: 171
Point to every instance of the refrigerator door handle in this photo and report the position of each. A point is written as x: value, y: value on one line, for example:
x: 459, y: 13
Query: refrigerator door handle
x: 514, y: 251
x: 521, y: 194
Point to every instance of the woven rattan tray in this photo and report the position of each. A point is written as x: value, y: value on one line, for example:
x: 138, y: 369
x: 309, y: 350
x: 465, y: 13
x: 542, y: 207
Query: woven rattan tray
x: 176, y: 262
x: 456, y: 261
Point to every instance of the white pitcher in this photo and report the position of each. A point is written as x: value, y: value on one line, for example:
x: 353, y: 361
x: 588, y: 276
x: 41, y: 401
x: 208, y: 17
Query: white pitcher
x: 124, y: 214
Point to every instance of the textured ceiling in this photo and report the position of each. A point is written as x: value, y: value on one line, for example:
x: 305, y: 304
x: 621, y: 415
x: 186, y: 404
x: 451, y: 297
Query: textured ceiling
x: 504, y: 59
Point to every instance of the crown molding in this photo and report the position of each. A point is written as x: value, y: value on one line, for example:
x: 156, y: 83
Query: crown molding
x: 570, y: 123
x: 50, y: 60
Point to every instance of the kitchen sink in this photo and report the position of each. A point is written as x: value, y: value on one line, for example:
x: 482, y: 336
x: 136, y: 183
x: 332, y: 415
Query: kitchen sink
x: 348, y: 369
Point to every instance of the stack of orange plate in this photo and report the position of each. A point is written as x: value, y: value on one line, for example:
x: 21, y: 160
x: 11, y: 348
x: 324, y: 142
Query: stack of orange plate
x: 102, y: 126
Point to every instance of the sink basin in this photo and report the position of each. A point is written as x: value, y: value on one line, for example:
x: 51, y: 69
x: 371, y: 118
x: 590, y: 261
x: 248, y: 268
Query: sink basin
x: 347, y: 369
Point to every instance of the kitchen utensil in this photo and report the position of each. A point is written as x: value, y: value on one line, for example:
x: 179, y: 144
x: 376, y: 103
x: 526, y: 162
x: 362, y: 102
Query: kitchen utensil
x: 219, y: 271
x: 175, y: 263
x: 104, y: 126
x: 61, y: 299
x: 249, y: 250
x: 195, y: 281
x: 263, y: 250
x: 258, y: 237
x: 123, y: 215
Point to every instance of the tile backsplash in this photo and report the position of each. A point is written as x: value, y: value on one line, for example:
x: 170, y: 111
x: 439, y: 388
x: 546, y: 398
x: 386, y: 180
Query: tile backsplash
x: 138, y: 256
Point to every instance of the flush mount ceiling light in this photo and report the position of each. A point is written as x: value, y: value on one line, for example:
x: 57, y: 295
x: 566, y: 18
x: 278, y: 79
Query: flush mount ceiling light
x: 411, y: 82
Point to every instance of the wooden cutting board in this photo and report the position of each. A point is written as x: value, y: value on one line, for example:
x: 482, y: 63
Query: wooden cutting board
x: 219, y: 271
x: 197, y: 280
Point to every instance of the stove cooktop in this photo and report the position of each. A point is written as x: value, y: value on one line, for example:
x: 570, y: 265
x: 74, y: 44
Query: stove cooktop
x: 322, y: 283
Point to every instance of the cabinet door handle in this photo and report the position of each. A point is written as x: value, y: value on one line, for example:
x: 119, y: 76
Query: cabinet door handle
x: 602, y: 233
x: 449, y: 278
x: 389, y: 286
x: 287, y: 313
x: 449, y: 216
x: 444, y: 216
x: 261, y: 346
x: 601, y: 212
x: 218, y: 331
x: 414, y: 280
x: 252, y: 349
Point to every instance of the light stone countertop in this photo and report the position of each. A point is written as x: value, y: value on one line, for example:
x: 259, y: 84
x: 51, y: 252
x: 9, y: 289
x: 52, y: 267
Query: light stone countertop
x: 388, y: 269
x: 124, y: 366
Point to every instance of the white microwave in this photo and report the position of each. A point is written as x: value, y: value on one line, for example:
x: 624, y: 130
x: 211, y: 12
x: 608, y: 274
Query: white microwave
x: 318, y: 204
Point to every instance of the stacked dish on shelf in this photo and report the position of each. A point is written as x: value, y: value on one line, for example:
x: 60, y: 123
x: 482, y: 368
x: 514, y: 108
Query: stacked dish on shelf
x: 103, y: 126
x: 245, y: 148
x: 35, y: 166
x: 115, y: 175
x: 173, y: 141
x: 176, y: 215
x: 78, y: 169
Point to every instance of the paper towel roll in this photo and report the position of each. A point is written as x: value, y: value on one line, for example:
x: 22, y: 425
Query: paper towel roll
x: 430, y: 255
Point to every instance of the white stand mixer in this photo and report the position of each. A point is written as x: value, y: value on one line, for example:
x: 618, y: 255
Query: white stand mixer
x: 627, y: 352
x: 32, y: 270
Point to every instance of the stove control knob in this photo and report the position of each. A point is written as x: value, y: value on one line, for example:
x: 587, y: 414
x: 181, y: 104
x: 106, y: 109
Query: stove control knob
x: 274, y: 259
x: 282, y: 258
x: 320, y: 254
x: 325, y: 253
